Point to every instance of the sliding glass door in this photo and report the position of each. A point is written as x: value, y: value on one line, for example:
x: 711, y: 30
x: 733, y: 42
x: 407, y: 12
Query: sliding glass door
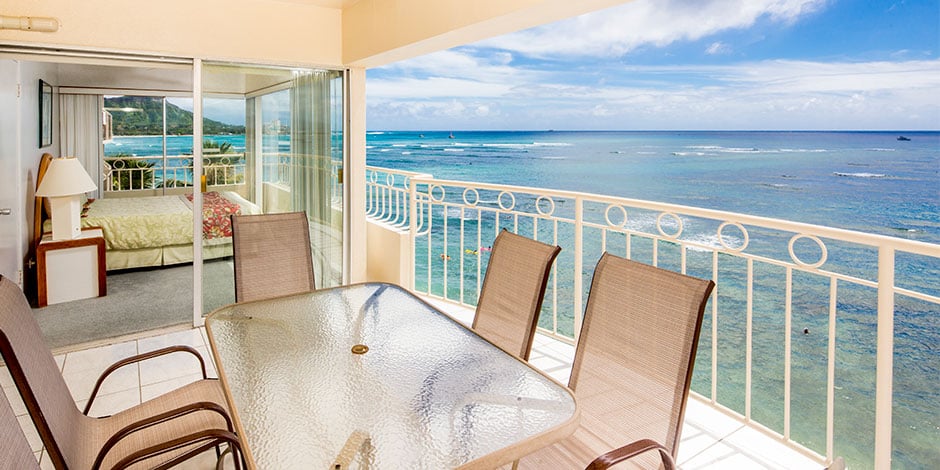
x: 286, y: 155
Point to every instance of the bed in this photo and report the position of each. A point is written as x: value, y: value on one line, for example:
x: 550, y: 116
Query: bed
x: 155, y: 230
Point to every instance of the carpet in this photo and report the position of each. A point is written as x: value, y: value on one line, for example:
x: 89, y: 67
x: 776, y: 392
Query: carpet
x: 138, y: 300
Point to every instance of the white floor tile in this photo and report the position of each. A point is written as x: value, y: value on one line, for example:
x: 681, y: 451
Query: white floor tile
x: 173, y: 365
x: 45, y: 463
x: 96, y: 360
x: 112, y: 403
x: 5, y: 380
x: 148, y: 392
x: 761, y: 448
x: 32, y: 436
x: 191, y: 337
x: 82, y: 382
x: 16, y: 400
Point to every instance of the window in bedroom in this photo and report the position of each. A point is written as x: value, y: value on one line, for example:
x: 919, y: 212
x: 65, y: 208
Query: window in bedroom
x: 147, y: 144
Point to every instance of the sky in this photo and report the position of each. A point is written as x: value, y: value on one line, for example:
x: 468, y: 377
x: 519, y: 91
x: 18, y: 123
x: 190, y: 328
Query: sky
x: 682, y: 64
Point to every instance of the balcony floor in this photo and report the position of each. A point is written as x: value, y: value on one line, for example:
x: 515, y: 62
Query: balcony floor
x: 710, y: 438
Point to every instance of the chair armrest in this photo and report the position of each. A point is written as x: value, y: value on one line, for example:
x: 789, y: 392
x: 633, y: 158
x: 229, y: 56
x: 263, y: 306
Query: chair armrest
x: 628, y: 451
x: 209, y: 438
x: 138, y: 358
x: 160, y: 418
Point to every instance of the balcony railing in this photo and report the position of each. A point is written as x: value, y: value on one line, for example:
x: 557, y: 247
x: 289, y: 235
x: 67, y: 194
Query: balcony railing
x: 814, y: 335
x: 140, y: 174
x: 125, y: 174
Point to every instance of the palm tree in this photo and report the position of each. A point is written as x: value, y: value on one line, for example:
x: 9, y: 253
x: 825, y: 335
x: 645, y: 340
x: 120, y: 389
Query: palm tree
x: 130, y: 173
x: 219, y: 169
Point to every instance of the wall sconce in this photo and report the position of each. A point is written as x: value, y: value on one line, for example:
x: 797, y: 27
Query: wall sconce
x: 63, y: 183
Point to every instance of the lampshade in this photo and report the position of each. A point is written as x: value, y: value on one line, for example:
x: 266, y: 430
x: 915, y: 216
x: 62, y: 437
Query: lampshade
x: 65, y: 177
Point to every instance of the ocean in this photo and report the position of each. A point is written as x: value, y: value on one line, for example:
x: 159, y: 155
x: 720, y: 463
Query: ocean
x: 864, y: 181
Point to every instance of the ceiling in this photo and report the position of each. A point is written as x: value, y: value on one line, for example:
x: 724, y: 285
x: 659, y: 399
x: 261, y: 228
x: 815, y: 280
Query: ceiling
x: 338, y: 4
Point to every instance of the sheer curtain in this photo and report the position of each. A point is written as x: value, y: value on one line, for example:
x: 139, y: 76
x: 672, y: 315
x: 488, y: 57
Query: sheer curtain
x: 311, y: 171
x: 80, y: 119
x: 252, y: 159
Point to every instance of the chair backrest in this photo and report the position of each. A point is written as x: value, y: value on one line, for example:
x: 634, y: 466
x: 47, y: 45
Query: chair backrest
x: 633, y: 364
x: 14, y: 447
x: 58, y: 420
x: 272, y: 255
x: 513, y: 288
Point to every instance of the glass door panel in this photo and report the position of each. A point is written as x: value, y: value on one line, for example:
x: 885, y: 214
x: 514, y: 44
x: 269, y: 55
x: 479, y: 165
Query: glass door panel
x: 282, y: 151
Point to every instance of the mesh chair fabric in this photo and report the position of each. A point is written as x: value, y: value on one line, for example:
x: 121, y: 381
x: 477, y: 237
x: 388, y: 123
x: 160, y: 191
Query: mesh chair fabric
x: 272, y: 255
x: 633, y: 363
x: 512, y: 293
x: 14, y: 447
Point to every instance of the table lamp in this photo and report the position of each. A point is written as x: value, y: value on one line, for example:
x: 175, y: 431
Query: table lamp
x: 63, y: 183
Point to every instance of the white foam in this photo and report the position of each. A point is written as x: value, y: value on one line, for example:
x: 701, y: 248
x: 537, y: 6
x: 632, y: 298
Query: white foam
x: 861, y: 175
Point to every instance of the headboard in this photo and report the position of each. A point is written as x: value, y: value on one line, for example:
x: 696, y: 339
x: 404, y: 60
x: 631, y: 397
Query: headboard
x: 40, y: 211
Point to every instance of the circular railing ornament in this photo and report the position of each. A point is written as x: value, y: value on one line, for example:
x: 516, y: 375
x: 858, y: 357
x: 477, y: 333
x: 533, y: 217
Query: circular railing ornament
x: 431, y: 193
x: 744, y: 235
x: 551, y: 207
x: 476, y: 197
x: 623, y: 212
x: 659, y: 225
x: 823, y: 252
x: 512, y: 198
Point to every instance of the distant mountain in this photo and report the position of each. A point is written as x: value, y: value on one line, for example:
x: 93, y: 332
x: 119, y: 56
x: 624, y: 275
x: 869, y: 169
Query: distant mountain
x: 142, y: 115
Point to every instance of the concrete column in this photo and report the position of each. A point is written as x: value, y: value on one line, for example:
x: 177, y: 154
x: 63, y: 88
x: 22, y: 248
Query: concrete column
x: 355, y: 173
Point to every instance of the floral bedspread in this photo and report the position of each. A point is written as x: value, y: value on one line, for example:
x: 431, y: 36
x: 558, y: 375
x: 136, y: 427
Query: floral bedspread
x: 216, y: 212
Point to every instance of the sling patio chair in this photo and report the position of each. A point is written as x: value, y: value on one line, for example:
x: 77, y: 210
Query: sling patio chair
x: 272, y: 255
x: 157, y: 433
x: 14, y: 448
x: 632, y: 368
x: 507, y: 312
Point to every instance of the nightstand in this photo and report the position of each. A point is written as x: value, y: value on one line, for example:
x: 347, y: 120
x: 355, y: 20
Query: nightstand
x: 71, y: 269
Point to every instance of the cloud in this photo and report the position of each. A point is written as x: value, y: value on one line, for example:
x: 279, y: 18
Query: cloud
x: 616, y: 31
x: 717, y: 48
x: 773, y: 94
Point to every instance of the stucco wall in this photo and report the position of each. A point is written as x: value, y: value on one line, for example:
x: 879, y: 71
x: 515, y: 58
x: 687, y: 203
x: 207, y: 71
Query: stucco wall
x: 389, y: 255
x: 269, y: 32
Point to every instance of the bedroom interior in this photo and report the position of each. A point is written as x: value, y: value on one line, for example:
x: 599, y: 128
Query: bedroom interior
x: 290, y: 158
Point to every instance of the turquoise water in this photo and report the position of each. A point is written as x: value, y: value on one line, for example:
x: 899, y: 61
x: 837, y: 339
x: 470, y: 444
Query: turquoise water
x: 864, y: 181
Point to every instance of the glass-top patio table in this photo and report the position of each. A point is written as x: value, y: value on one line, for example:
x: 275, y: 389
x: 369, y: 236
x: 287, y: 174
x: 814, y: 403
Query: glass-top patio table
x: 369, y: 375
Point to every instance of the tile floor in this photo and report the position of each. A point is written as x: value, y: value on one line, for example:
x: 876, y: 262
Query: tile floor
x: 710, y: 439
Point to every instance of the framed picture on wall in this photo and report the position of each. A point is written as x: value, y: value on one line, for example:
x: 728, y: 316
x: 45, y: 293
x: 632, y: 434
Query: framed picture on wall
x: 45, y: 114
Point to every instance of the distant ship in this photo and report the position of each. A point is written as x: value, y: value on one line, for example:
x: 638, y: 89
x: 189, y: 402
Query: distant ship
x: 451, y: 136
x: 903, y: 139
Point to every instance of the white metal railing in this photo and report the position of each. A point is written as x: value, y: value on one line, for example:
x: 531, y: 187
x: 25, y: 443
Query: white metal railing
x: 125, y: 174
x: 387, y: 194
x: 771, y: 275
